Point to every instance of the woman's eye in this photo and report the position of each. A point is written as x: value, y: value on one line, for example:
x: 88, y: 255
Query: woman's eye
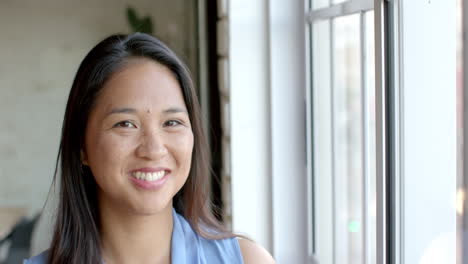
x: 125, y: 124
x: 172, y: 123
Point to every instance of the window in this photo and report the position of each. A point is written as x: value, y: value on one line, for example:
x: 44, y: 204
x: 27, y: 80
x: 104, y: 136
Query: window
x: 382, y: 128
x: 343, y: 128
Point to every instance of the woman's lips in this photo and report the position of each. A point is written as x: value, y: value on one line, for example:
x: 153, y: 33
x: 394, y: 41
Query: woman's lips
x: 149, y: 178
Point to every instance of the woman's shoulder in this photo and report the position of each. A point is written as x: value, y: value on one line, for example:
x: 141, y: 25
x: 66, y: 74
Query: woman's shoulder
x: 254, y: 253
x: 39, y: 259
x: 186, y: 242
x: 227, y: 248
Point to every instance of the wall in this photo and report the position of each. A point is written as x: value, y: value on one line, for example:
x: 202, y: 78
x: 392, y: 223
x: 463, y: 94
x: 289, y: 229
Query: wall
x: 265, y: 99
x: 41, y: 46
x: 249, y: 94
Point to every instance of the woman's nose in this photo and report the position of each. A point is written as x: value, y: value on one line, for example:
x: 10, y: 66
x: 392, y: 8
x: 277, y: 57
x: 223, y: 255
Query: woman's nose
x: 152, y: 145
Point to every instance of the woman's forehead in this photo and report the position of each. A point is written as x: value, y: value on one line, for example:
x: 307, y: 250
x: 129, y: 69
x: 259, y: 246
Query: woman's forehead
x: 142, y: 84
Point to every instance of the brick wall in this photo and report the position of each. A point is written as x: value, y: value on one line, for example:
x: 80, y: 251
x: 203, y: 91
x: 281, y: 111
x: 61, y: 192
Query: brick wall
x: 41, y: 46
x: 223, y: 78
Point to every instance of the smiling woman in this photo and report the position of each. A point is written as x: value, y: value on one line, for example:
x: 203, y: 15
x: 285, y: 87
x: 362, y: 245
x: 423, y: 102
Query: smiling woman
x: 139, y: 140
x: 134, y: 165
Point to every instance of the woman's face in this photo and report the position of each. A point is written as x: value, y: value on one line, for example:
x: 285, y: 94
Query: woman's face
x: 139, y: 140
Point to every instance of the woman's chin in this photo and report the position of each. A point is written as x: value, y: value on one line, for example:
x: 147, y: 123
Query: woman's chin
x: 151, y: 209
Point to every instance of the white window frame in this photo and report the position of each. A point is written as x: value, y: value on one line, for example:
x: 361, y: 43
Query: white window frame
x: 463, y: 227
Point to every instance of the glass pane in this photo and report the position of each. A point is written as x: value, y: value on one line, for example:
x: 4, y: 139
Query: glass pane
x: 316, y: 4
x: 323, y: 195
x: 338, y: 1
x: 341, y: 130
x: 348, y: 151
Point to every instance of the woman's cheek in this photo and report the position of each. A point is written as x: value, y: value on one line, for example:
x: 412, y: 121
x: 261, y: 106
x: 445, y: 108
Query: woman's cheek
x: 187, y: 145
x: 111, y: 150
x: 183, y: 145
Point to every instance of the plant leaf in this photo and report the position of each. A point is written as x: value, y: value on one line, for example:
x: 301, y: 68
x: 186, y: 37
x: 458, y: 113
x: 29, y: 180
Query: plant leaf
x: 147, y: 26
x: 132, y: 18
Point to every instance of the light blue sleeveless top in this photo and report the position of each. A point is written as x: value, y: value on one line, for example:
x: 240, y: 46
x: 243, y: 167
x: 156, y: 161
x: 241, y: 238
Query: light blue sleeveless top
x: 188, y: 247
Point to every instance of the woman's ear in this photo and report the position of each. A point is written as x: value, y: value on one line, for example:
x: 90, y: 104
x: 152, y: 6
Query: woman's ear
x: 83, y: 157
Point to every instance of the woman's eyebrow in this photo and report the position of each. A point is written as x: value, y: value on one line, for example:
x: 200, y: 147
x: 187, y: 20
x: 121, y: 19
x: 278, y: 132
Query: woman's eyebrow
x: 121, y: 110
x: 174, y: 110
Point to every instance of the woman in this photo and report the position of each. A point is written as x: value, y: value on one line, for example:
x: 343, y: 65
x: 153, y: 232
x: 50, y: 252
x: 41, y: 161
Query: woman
x: 134, y: 165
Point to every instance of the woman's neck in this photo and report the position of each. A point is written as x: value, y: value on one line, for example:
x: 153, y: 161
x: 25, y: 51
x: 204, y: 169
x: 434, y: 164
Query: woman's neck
x: 129, y: 238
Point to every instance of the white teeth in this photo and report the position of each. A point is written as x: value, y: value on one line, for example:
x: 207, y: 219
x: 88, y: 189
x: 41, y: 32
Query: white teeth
x: 138, y: 175
x: 149, y: 176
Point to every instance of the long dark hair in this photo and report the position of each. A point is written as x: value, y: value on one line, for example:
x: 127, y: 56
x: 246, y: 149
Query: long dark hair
x: 76, y: 237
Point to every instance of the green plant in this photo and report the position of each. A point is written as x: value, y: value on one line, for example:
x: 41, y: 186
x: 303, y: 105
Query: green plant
x: 137, y: 24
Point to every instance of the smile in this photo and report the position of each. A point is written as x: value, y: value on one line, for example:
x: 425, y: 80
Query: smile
x: 149, y: 176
